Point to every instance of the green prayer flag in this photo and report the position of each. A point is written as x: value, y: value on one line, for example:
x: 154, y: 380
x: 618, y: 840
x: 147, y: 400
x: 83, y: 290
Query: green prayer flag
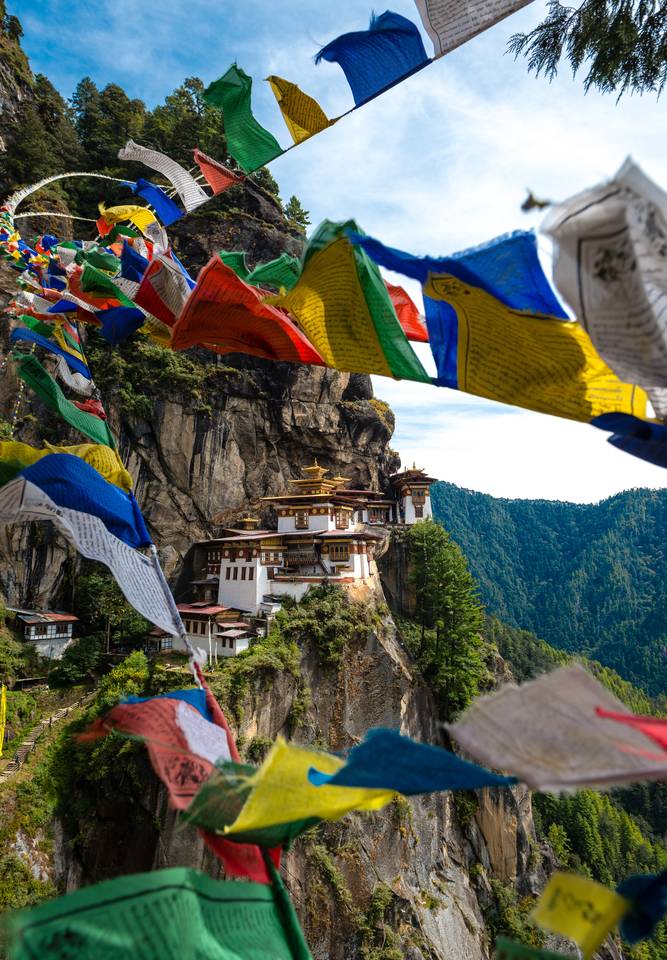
x: 219, y: 801
x: 44, y: 329
x: 247, y: 141
x: 235, y: 260
x: 284, y: 271
x: 121, y: 230
x: 94, y: 281
x: 33, y: 373
x: 163, y: 915
x: 508, y: 950
x: 99, y: 259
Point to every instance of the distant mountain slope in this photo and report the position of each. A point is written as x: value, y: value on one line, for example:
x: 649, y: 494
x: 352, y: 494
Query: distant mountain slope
x: 586, y: 578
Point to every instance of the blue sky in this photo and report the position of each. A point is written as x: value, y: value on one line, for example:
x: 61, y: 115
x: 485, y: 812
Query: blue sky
x: 435, y: 165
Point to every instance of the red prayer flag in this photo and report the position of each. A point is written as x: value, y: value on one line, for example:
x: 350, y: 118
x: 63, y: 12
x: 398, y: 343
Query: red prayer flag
x: 91, y: 406
x: 218, y: 177
x: 229, y: 316
x: 651, y: 727
x: 102, y: 227
x: 408, y: 315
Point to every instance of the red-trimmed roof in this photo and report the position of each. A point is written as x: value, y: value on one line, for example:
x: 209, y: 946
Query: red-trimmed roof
x: 202, y: 607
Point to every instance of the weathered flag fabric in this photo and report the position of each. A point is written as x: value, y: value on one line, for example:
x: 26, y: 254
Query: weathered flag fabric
x: 640, y: 438
x: 228, y: 316
x: 548, y: 734
x: 653, y: 727
x: 81, y: 385
x: 449, y: 23
x: 648, y: 905
x: 163, y: 914
x: 167, y: 211
x: 15, y: 456
x: 408, y: 315
x: 284, y: 271
x: 119, y: 323
x: 375, y: 59
x: 247, y: 141
x: 23, y: 335
x: 100, y: 286
x: 163, y: 290
x: 386, y: 760
x: 342, y: 305
x: 580, y: 909
x: 33, y: 373
x: 103, y: 523
x: 141, y: 217
x: 496, y: 330
x: 610, y: 266
x: 217, y: 175
x: 303, y: 116
x: 183, y: 183
x: 132, y: 263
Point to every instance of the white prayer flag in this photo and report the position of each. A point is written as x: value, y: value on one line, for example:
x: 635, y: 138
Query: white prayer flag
x: 185, y: 185
x: 449, y: 23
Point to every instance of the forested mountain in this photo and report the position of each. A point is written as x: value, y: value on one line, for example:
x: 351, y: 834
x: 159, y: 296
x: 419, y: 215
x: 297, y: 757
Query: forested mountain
x: 588, y: 578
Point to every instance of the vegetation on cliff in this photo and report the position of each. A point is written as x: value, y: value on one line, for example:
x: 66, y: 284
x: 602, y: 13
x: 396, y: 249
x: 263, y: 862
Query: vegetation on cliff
x: 588, y: 578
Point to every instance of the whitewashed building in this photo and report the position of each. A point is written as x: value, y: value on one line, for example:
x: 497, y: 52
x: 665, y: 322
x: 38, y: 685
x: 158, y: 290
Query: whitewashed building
x: 49, y: 632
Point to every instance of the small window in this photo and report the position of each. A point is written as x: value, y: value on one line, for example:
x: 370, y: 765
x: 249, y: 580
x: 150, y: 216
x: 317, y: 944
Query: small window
x: 419, y: 510
x: 243, y: 573
x: 251, y: 573
x: 301, y: 520
x: 228, y: 573
x: 167, y: 643
x: 236, y: 573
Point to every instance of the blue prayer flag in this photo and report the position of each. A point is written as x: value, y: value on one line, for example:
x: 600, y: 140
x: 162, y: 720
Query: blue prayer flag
x: 375, y: 59
x: 194, y: 696
x: 167, y: 211
x: 642, y: 439
x: 132, y: 264
x: 386, y: 760
x: 119, y: 323
x: 22, y: 333
x: 63, y: 306
x: 648, y: 895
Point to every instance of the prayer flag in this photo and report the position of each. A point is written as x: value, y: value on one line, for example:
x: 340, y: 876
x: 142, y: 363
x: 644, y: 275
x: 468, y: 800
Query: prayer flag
x: 3, y: 715
x: 408, y: 315
x: 375, y: 59
x: 247, y: 141
x: 91, y: 405
x: 46, y: 329
x: 80, y: 385
x: 609, y: 265
x: 508, y: 950
x: 184, y: 183
x: 548, y: 734
x: 164, y: 913
x: 580, y: 909
x: 217, y: 175
x: 237, y: 261
x: 386, y: 760
x: 640, y: 438
x: 497, y: 330
x: 342, y: 305
x: 132, y: 264
x: 648, y: 905
x: 21, y: 334
x: 167, y: 211
x: 100, y: 287
x: 303, y: 115
x: 119, y: 323
x: 15, y: 456
x: 281, y: 791
x: 163, y: 290
x: 228, y: 316
x: 141, y: 217
x: 653, y: 727
x: 284, y: 271
x: 449, y: 23
x: 103, y: 523
x: 33, y: 373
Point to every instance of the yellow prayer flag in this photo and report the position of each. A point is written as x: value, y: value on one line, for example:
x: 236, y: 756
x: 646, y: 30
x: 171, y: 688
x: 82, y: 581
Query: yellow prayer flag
x: 580, y: 909
x: 329, y: 306
x: 3, y: 715
x: 529, y: 360
x: 141, y: 217
x: 283, y: 793
x: 102, y: 458
x: 303, y: 115
x: 158, y: 332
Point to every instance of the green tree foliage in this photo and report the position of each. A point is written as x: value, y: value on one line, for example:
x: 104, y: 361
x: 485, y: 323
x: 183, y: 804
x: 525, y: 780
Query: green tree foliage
x: 104, y: 120
x: 587, y: 578
x: 621, y: 43
x: 12, y: 27
x: 105, y: 611
x: 296, y: 214
x: 186, y: 121
x: 78, y: 663
x: 447, y: 643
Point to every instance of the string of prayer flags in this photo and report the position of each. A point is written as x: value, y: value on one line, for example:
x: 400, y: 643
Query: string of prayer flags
x: 22, y: 334
x: 103, y: 522
x: 496, y: 330
x: 547, y: 733
x: 386, y: 760
x: 449, y: 24
x: 167, y: 211
x: 100, y: 286
x: 81, y: 385
x: 580, y: 909
x: 639, y: 438
x: 164, y: 913
x: 408, y: 315
x: 15, y: 456
x: 191, y: 194
x: 375, y: 59
x: 33, y: 373
x: 303, y: 116
x: 648, y: 905
x: 228, y: 316
x: 653, y: 727
x: 342, y: 305
x: 609, y: 265
x: 251, y: 145
x: 217, y: 175
x: 509, y: 950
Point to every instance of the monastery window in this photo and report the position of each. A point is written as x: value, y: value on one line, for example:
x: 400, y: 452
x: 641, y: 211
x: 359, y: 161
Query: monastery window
x: 419, y: 510
x: 341, y: 520
x: 301, y: 519
x: 236, y: 573
x: 167, y: 643
x: 251, y: 573
x: 339, y: 551
x: 228, y: 573
x: 419, y: 496
x: 243, y: 570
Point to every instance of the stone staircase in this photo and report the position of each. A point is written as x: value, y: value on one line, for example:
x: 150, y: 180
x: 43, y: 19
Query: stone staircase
x: 28, y: 745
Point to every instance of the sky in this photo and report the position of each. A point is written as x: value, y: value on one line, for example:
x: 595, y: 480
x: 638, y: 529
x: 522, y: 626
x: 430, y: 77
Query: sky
x: 437, y: 164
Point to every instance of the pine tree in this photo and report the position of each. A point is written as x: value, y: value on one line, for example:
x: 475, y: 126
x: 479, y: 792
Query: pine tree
x: 296, y: 214
x: 621, y: 43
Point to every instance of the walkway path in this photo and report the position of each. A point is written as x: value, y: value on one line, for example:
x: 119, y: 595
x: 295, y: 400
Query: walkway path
x: 28, y: 745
